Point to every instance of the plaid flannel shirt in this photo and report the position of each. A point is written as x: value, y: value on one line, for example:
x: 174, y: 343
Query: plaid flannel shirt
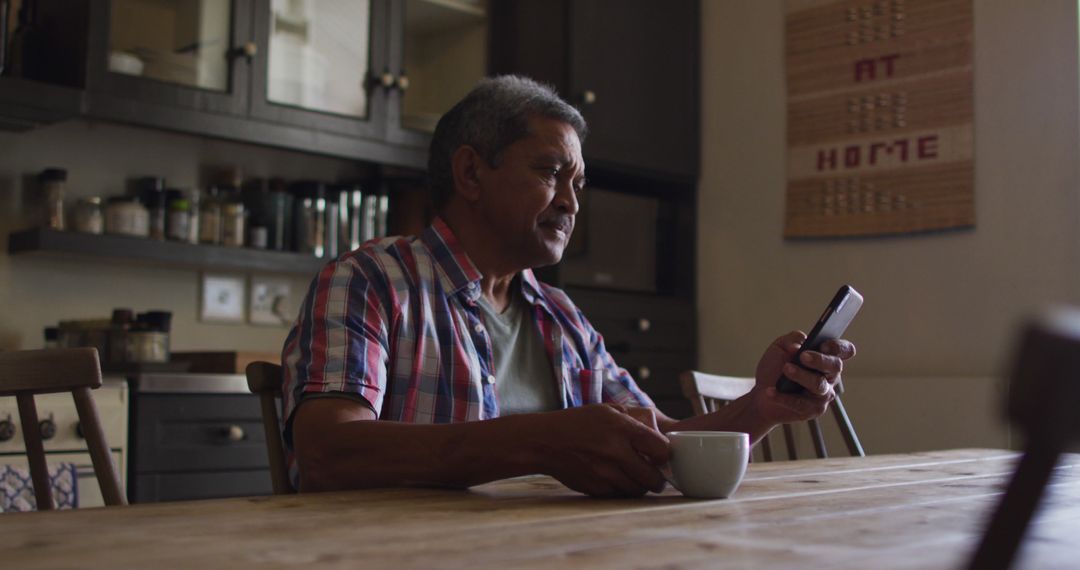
x: 396, y: 325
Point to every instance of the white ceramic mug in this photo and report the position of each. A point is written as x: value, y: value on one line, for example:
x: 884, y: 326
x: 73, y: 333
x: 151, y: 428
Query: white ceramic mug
x: 708, y: 464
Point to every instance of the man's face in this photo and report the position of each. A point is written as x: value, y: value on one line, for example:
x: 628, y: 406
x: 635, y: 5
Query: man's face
x: 530, y: 199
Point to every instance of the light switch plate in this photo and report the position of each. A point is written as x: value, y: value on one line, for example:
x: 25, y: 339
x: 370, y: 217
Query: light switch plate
x: 222, y: 298
x: 270, y: 301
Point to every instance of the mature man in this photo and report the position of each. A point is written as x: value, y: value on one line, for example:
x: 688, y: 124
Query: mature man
x: 441, y: 360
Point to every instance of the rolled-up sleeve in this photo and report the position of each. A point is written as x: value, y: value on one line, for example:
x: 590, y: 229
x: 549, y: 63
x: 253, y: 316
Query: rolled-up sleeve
x: 339, y: 342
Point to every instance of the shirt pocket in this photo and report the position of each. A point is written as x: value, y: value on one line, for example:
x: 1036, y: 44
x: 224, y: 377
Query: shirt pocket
x: 586, y: 385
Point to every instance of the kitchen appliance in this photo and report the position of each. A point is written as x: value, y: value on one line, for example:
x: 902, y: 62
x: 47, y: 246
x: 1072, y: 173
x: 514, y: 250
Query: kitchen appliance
x: 63, y: 439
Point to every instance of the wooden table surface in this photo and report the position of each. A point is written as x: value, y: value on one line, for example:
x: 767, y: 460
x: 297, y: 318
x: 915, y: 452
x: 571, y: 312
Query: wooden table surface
x: 922, y: 510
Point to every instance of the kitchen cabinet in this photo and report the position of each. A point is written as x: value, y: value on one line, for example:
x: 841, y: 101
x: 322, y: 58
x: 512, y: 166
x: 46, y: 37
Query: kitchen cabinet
x: 631, y: 66
x: 361, y: 79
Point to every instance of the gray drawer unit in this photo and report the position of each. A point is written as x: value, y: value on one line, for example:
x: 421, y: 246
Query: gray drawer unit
x: 196, y: 445
x: 658, y: 374
x: 188, y: 432
x: 632, y: 322
x: 156, y: 487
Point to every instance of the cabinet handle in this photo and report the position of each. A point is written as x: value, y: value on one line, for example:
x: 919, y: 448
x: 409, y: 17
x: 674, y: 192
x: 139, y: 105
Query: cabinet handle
x: 386, y: 80
x: 246, y: 51
x: 644, y: 373
x: 7, y: 429
x: 403, y: 82
x: 644, y: 325
x: 588, y: 97
x: 48, y: 428
x: 234, y: 433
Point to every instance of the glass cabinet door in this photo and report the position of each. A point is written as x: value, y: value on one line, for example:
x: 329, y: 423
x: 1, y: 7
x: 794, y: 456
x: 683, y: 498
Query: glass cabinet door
x: 319, y: 55
x: 443, y: 54
x: 168, y: 54
x: 184, y: 42
x: 316, y: 69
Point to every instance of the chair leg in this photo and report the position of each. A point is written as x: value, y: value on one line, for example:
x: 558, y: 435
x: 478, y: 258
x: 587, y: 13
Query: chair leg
x: 35, y: 451
x: 817, y: 438
x: 789, y: 439
x: 1006, y: 529
x: 99, y: 449
x: 855, y: 448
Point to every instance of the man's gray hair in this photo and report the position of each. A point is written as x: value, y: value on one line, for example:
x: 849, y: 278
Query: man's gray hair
x: 494, y: 115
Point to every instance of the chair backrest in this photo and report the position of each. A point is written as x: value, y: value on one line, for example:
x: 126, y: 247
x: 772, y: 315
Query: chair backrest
x: 23, y: 374
x: 264, y: 379
x: 707, y: 392
x: 1044, y: 395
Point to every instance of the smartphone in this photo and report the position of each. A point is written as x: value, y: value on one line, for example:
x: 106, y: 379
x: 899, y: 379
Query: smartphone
x: 832, y: 324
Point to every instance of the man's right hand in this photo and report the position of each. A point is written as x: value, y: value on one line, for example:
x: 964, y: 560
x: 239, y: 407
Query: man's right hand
x: 599, y: 450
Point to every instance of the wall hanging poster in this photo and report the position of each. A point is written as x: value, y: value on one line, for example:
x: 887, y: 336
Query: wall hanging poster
x: 880, y: 109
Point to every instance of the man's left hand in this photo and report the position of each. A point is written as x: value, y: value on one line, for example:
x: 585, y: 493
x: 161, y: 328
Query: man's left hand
x: 817, y: 372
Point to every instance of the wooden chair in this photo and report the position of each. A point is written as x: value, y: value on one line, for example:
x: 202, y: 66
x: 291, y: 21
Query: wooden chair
x: 23, y: 374
x: 264, y: 380
x: 1043, y: 398
x: 707, y: 392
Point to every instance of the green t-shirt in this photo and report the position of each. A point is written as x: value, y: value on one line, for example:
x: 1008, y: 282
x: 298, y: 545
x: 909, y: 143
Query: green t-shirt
x: 524, y: 380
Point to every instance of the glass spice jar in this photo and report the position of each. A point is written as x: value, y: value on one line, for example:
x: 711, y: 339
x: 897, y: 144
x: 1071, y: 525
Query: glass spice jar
x: 124, y: 215
x: 53, y: 181
x: 178, y: 219
x: 232, y: 222
x: 88, y: 216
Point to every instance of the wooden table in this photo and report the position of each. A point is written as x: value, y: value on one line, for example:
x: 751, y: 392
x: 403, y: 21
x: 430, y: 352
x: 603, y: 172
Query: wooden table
x: 922, y: 510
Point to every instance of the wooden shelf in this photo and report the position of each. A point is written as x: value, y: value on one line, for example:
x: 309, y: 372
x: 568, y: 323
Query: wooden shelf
x: 161, y: 253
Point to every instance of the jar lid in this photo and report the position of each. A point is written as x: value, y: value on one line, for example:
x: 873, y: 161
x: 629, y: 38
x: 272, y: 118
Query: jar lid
x: 92, y: 200
x: 53, y: 175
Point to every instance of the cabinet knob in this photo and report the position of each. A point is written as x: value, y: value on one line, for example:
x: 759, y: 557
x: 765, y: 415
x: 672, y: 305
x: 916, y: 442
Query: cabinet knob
x: 588, y: 97
x: 386, y: 80
x: 234, y: 433
x: 644, y: 373
x: 403, y: 82
x: 7, y: 429
x: 644, y: 325
x: 246, y: 51
x: 48, y: 428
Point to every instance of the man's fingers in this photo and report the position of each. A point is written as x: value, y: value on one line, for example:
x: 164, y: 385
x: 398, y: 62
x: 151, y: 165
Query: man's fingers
x: 649, y: 442
x: 830, y: 366
x: 839, y: 347
x: 615, y: 482
x: 815, y: 382
x: 788, y: 343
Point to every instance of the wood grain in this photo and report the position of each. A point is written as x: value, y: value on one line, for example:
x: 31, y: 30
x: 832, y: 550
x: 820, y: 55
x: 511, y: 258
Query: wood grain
x: 920, y: 510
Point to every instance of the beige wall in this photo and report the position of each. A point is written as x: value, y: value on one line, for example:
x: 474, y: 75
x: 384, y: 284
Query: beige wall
x: 37, y: 291
x: 937, y: 328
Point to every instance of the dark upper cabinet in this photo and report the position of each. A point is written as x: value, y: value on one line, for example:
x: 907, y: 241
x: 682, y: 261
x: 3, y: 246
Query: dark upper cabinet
x: 363, y: 79
x: 181, y: 55
x: 631, y: 66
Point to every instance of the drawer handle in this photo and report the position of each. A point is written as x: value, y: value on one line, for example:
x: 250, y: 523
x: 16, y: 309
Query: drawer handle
x: 644, y: 325
x: 234, y: 433
x: 644, y: 373
x: 7, y: 429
